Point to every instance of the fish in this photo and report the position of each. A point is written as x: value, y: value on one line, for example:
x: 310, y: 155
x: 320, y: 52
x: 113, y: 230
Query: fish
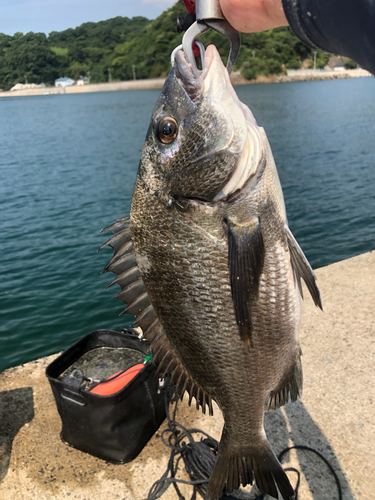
x: 208, y: 266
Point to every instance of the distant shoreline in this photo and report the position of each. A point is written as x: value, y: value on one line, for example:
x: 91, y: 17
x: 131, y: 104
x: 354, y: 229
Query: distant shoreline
x: 157, y: 83
x: 306, y: 75
x: 152, y: 83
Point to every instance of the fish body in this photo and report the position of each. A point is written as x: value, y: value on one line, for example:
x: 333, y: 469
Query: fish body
x: 210, y: 269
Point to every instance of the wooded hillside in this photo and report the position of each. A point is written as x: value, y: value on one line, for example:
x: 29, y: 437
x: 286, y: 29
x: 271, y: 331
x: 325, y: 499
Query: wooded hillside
x: 116, y: 45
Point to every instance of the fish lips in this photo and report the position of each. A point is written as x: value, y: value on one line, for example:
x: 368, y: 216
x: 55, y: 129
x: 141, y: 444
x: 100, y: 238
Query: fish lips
x: 194, y: 86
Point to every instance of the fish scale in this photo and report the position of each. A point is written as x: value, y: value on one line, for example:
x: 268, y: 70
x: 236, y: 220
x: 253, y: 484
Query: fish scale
x: 234, y: 364
x: 220, y: 270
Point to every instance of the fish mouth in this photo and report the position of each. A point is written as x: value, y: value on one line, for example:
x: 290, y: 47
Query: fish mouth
x: 193, y: 85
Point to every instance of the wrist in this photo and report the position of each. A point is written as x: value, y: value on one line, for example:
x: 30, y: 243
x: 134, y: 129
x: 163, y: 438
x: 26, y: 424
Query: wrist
x: 275, y: 12
x: 254, y: 15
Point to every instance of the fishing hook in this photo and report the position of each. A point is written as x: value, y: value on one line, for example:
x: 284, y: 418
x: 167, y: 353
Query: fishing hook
x: 210, y: 16
x: 180, y: 47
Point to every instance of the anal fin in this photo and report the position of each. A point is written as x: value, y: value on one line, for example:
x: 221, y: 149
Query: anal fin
x: 289, y: 388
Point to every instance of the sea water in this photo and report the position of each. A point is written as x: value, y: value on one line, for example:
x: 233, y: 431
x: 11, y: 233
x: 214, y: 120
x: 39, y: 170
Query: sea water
x: 67, y: 169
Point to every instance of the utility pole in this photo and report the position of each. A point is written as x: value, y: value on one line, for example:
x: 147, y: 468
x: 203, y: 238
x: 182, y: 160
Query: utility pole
x: 109, y: 76
x: 25, y: 78
x: 315, y: 52
x: 133, y: 68
x: 88, y: 75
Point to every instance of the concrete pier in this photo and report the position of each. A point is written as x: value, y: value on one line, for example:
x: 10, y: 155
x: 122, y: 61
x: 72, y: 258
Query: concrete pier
x: 335, y: 415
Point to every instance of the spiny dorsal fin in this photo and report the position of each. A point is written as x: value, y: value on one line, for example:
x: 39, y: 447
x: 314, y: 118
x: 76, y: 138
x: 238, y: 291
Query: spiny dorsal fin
x: 133, y: 292
x: 124, y: 265
x: 245, y: 260
x: 302, y: 268
x: 167, y: 361
x: 120, y: 224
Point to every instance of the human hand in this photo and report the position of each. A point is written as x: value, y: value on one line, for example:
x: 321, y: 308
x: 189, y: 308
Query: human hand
x: 254, y: 15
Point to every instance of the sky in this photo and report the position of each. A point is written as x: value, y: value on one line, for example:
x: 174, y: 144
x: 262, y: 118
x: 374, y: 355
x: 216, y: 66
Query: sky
x: 57, y: 15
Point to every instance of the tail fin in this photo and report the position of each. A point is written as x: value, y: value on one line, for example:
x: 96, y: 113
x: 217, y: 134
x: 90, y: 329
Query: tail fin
x: 243, y: 466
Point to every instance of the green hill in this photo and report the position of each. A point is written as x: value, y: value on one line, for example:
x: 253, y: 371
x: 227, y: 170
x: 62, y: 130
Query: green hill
x: 118, y: 44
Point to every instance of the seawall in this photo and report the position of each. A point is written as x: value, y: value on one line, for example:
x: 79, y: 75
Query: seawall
x: 335, y: 415
x: 152, y: 83
x: 311, y: 75
x: 157, y: 83
x: 306, y: 75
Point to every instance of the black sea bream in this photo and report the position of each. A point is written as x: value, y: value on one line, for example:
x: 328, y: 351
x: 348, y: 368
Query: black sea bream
x: 207, y: 264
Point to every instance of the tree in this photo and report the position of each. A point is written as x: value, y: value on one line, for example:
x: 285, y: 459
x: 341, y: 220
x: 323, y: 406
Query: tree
x: 28, y: 55
x: 120, y: 43
x: 350, y: 64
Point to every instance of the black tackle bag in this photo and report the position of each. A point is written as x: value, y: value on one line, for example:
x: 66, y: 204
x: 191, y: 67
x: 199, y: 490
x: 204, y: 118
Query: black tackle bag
x: 114, y: 427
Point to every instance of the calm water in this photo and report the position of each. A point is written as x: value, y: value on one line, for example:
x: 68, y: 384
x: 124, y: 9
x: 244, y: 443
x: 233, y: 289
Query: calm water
x: 67, y: 169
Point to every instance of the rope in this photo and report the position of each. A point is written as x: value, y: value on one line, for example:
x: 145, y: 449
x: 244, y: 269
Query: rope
x: 199, y: 457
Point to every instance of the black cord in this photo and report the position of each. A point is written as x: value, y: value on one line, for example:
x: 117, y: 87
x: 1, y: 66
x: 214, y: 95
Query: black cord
x: 199, y: 457
x: 308, y: 448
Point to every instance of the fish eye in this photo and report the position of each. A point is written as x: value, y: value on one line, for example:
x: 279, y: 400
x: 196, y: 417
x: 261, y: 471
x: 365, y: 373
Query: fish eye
x: 167, y: 130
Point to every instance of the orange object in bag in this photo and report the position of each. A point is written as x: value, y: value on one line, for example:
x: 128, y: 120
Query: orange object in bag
x: 115, y: 384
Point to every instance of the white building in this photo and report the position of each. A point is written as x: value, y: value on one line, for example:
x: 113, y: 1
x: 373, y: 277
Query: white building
x: 82, y: 80
x: 339, y: 66
x: 64, y: 82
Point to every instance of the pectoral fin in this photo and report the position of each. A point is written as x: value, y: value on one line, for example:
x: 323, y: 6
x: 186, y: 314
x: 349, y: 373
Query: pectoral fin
x: 245, y: 260
x: 302, y: 268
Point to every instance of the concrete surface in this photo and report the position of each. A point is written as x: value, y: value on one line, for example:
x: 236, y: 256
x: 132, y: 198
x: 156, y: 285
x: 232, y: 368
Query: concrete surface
x: 335, y: 416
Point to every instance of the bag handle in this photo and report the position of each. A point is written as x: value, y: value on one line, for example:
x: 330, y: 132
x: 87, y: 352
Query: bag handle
x: 71, y: 388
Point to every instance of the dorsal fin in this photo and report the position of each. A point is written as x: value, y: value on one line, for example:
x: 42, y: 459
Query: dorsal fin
x: 302, y: 268
x: 133, y: 292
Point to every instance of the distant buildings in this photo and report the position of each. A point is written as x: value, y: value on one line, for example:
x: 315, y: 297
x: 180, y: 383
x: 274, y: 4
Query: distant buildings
x: 82, y: 80
x: 25, y: 86
x: 339, y: 66
x: 64, y: 82
x: 60, y: 82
